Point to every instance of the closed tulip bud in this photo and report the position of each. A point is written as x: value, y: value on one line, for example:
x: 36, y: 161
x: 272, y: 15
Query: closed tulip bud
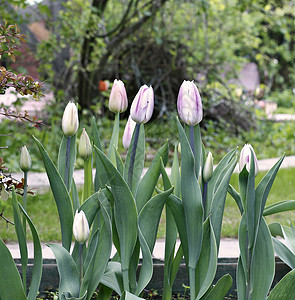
x: 85, y: 148
x: 189, y: 103
x: 128, y: 132
x: 70, y: 121
x: 25, y: 159
x: 118, y: 99
x: 245, y: 159
x: 208, y: 167
x: 80, y: 227
x: 143, y: 105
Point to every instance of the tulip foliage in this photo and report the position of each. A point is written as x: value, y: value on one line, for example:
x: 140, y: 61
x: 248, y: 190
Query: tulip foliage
x: 121, y: 207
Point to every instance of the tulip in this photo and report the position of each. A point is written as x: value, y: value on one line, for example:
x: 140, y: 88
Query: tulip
x: 118, y: 98
x: 245, y: 159
x: 80, y: 227
x: 208, y: 167
x: 85, y: 148
x: 128, y: 132
x: 143, y: 105
x: 70, y: 121
x: 25, y: 159
x: 189, y: 103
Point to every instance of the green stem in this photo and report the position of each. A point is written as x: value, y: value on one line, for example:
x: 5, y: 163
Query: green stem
x: 205, y: 198
x: 192, y: 282
x: 25, y: 200
x: 87, y: 190
x: 67, y: 169
x: 125, y: 280
x: 114, y: 141
x: 133, y: 153
x: 81, y: 264
x: 192, y: 138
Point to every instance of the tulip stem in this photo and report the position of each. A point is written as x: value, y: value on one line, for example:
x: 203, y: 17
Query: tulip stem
x: 133, y: 153
x: 81, y: 263
x: 67, y: 170
x: 25, y: 199
x: 205, y: 197
x: 192, y: 138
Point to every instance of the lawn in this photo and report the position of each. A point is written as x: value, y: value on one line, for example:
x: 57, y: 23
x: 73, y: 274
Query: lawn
x: 43, y: 212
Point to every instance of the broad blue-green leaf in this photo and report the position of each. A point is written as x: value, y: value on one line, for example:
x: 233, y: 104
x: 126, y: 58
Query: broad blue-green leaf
x: 148, y: 182
x: 88, y: 185
x: 175, y: 174
x: 192, y: 200
x: 66, y: 296
x: 69, y: 279
x: 75, y: 196
x: 138, y: 161
x: 129, y: 296
x: 279, y: 207
x: 10, y: 282
x: 207, y: 264
x: 101, y: 255
x: 241, y: 280
x: 61, y: 162
x: 125, y: 212
x: 218, y: 200
x: 285, y: 289
x: 120, y: 165
x: 114, y: 141
x: 276, y: 229
x: 237, y: 197
x: 113, y: 278
x: 220, y: 289
x: 263, y: 263
x: 21, y: 236
x: 263, y: 189
x: 286, y: 233
x: 284, y: 253
x: 61, y: 196
x: 37, y: 268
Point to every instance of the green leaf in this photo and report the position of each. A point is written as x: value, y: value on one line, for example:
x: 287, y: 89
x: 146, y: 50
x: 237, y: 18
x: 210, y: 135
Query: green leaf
x: 198, y: 149
x: 279, y: 207
x: 138, y: 162
x: 125, y: 212
x: 192, y: 200
x: 99, y: 257
x: 113, y: 278
x: 263, y: 188
x: 231, y: 190
x: 285, y: 289
x: 284, y: 253
x: 69, y: 279
x: 148, y: 182
x: 88, y: 185
x: 37, y: 268
x: 21, y: 236
x: 120, y: 165
x: 129, y: 296
x: 61, y: 196
x: 61, y: 162
x: 10, y: 282
x: 207, y: 264
x: 241, y: 280
x: 114, y: 141
x: 175, y: 174
x: 75, y: 196
x: 220, y: 289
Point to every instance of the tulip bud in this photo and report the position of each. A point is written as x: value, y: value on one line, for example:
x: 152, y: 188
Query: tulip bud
x: 118, y: 98
x: 245, y: 159
x: 208, y: 167
x: 25, y: 159
x: 85, y: 148
x: 189, y: 103
x: 128, y: 132
x: 143, y: 105
x: 70, y: 121
x: 80, y: 227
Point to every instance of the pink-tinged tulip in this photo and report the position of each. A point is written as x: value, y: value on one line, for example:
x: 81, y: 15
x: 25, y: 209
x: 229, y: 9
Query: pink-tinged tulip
x: 128, y: 132
x: 143, y: 105
x: 189, y: 103
x: 245, y: 159
x: 70, y: 121
x: 80, y: 227
x: 118, y: 99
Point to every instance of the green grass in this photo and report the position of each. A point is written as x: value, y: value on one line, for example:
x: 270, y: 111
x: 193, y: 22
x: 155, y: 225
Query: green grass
x: 43, y: 212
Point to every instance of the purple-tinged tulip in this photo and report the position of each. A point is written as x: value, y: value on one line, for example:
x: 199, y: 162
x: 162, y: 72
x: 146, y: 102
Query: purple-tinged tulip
x: 189, y: 103
x: 143, y: 105
x: 118, y: 98
x: 128, y: 132
x: 80, y: 227
x: 245, y: 159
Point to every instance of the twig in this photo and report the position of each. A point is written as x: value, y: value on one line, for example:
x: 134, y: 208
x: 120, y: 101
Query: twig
x: 2, y: 216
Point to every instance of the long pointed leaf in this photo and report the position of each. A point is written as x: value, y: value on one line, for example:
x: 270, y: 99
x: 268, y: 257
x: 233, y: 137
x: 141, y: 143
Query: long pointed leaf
x: 284, y: 253
x: 279, y: 207
x: 61, y: 196
x: 220, y: 289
